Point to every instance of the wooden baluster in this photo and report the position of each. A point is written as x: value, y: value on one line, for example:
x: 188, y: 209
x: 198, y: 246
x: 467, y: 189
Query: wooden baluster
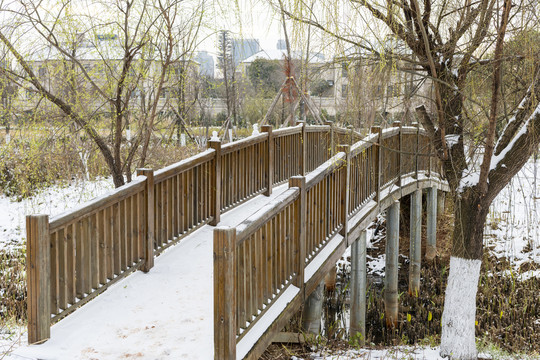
x: 344, y: 190
x: 268, y: 180
x: 303, y: 155
x: 92, y: 233
x: 62, y: 268
x: 55, y: 271
x: 332, y: 148
x: 299, y: 237
x: 400, y: 153
x: 378, y: 159
x: 415, y: 124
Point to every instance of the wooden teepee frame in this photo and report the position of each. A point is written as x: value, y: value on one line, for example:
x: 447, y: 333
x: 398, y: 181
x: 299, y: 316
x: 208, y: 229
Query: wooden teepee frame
x: 305, y: 97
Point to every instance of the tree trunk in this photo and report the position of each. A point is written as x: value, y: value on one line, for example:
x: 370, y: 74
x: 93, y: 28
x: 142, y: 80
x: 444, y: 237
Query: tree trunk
x: 458, y: 319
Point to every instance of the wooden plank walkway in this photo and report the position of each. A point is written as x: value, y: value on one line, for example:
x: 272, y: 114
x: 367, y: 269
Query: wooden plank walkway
x: 166, y: 313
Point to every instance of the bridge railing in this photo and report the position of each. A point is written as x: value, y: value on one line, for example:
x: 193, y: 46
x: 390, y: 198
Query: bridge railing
x: 325, y: 204
x: 288, y: 153
x: 183, y: 198
x: 75, y: 256
x: 261, y: 266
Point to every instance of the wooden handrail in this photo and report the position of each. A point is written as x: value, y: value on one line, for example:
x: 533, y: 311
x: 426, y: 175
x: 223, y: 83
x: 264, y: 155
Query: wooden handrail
x: 287, y: 131
x: 324, y: 169
x: 183, y: 165
x: 96, y: 204
x: 263, y: 215
x: 318, y: 128
x: 243, y: 143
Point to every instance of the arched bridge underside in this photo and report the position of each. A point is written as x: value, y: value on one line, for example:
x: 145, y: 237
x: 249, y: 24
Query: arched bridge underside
x: 264, y: 265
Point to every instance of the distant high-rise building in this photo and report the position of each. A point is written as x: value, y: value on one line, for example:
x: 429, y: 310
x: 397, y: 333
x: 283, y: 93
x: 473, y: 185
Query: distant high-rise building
x: 281, y: 44
x: 244, y: 48
x: 206, y: 62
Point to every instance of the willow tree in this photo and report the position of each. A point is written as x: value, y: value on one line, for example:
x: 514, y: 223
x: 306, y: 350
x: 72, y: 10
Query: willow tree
x: 101, y: 64
x: 447, y: 41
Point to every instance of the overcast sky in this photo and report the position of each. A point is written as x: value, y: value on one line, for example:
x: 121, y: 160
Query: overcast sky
x: 244, y: 18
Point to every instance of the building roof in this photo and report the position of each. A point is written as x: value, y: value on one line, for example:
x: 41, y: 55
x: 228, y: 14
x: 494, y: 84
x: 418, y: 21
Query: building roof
x: 276, y: 54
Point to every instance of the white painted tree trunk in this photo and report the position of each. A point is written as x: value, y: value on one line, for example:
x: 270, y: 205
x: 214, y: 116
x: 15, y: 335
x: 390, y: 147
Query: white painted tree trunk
x: 458, y: 319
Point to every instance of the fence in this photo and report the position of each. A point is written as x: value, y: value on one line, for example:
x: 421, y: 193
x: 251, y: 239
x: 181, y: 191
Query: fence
x: 262, y: 263
x: 77, y: 255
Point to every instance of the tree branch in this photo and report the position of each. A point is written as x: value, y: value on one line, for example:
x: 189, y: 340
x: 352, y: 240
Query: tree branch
x: 490, y: 140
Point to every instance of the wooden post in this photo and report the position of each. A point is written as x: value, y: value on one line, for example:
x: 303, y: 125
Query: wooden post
x: 215, y: 186
x: 224, y: 293
x: 430, y: 158
x: 358, y: 289
x: 400, y: 147
x: 415, y: 124
x: 351, y: 135
x: 300, y: 236
x: 378, y: 130
x: 148, y: 246
x: 269, y: 168
x: 38, y: 268
x: 344, y: 191
x: 415, y: 242
x: 431, y: 248
x: 332, y: 145
x: 303, y: 157
x: 391, y: 271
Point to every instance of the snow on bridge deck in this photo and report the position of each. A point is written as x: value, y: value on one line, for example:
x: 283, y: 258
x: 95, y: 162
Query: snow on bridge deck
x: 166, y: 313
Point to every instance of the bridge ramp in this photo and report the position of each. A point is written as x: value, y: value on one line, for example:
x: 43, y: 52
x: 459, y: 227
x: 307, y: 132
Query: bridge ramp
x: 166, y: 313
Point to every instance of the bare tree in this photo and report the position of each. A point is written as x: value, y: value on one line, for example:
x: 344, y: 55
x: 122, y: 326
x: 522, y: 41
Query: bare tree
x: 447, y: 41
x: 226, y: 64
x: 115, y: 66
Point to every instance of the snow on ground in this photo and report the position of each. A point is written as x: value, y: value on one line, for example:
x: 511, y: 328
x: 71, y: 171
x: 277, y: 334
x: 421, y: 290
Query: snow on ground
x: 51, y: 201
x: 166, y: 313
x: 406, y: 353
x: 513, y: 224
x: 394, y: 353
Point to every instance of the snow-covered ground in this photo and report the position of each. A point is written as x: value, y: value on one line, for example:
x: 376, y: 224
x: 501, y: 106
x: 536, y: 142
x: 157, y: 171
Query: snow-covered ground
x: 408, y: 353
x: 513, y: 224
x: 403, y: 353
x: 51, y: 201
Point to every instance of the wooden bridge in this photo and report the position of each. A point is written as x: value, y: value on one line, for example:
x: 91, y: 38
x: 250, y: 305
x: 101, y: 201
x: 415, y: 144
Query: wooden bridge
x: 264, y: 267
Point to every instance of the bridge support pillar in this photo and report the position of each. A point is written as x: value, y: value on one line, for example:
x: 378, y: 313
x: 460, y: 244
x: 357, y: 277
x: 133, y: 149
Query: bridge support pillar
x: 391, y: 272
x: 415, y: 242
x: 431, y: 248
x: 441, y: 202
x: 312, y: 313
x: 358, y: 289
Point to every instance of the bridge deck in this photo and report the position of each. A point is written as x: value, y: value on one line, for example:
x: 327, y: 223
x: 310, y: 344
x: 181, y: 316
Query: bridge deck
x: 166, y: 313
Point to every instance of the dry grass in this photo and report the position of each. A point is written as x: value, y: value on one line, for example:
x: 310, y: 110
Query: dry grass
x: 12, y: 286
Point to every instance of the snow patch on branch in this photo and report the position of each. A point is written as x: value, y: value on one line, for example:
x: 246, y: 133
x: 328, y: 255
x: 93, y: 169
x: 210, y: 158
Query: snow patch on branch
x: 469, y: 180
x: 452, y: 140
x: 495, y: 160
x: 458, y: 319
